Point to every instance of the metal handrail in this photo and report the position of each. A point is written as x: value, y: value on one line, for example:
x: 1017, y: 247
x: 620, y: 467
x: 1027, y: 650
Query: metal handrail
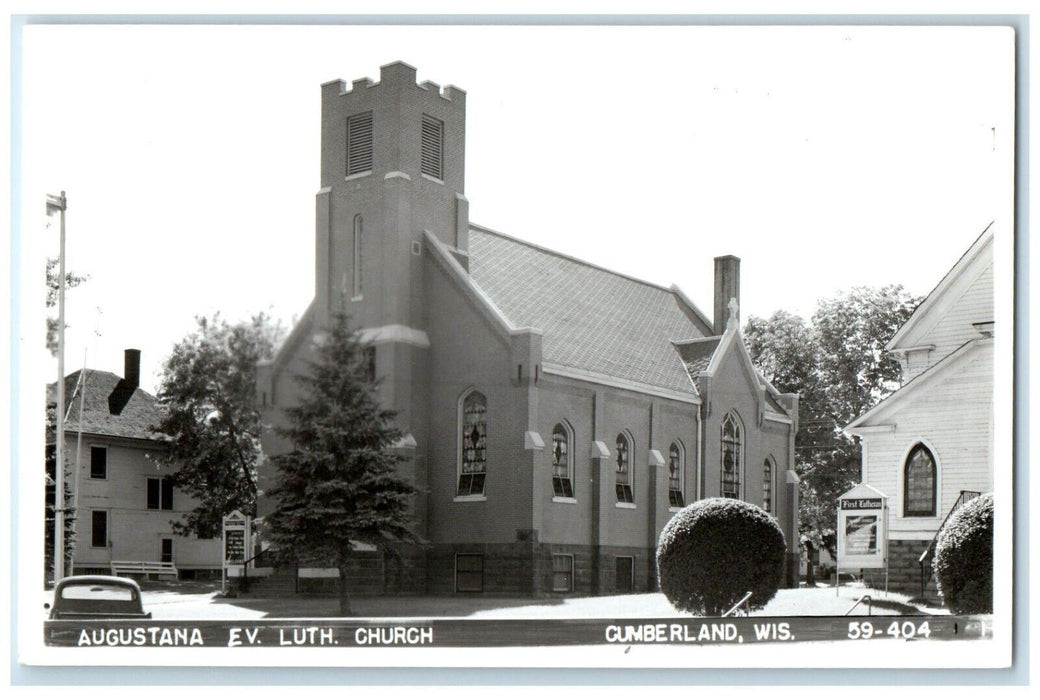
x: 856, y: 604
x: 740, y: 602
x: 961, y: 500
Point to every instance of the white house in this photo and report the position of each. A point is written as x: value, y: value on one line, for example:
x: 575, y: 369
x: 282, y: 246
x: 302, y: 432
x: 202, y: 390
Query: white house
x: 929, y: 446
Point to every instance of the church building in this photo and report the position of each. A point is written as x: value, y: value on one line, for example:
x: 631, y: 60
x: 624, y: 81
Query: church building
x: 929, y: 446
x: 556, y: 414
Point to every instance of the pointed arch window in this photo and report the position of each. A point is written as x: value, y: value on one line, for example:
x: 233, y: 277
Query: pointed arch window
x: 919, y: 483
x: 623, y: 480
x: 768, y: 471
x: 676, y: 475
x: 358, y: 232
x: 732, y: 455
x: 562, y: 463
x: 473, y: 445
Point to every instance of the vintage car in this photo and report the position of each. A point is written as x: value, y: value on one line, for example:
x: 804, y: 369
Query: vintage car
x: 97, y: 598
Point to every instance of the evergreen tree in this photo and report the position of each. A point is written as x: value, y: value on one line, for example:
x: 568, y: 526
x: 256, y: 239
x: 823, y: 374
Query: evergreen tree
x: 339, y: 487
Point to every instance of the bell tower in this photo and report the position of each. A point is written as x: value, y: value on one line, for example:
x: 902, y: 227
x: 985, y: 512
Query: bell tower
x: 392, y: 166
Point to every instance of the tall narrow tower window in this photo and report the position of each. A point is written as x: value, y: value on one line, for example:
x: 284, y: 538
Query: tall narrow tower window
x: 623, y: 475
x: 359, y: 143
x: 358, y: 230
x: 432, y: 147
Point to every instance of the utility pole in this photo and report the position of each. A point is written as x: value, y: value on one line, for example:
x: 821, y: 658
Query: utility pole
x: 58, y: 204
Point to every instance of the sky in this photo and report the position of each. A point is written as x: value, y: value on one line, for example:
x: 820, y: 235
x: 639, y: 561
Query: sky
x: 824, y: 157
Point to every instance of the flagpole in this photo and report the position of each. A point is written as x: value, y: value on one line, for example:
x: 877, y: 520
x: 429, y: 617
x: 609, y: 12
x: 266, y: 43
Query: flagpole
x: 59, y: 204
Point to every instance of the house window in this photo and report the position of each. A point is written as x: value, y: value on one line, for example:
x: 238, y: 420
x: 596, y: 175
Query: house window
x: 767, y: 485
x: 473, y: 445
x: 432, y: 147
x: 563, y: 573
x: 469, y: 573
x: 358, y: 225
x: 160, y: 494
x: 676, y: 473
x: 99, y: 528
x: 919, y: 483
x: 623, y: 480
x: 359, y: 143
x: 98, y: 462
x: 732, y: 456
x: 562, y: 465
x: 166, y: 550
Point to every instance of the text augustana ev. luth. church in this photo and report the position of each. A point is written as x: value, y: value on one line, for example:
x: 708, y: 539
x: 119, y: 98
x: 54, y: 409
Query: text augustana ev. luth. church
x: 556, y: 414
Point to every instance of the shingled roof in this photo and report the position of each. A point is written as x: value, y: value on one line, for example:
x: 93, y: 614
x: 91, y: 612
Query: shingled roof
x: 104, y: 393
x: 696, y: 355
x: 593, y: 319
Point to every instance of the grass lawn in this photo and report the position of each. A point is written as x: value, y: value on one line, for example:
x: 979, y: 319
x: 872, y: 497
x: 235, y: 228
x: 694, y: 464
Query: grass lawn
x: 821, y: 601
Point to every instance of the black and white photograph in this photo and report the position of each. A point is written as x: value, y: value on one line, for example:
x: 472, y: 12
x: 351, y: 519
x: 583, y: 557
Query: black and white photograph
x: 379, y: 344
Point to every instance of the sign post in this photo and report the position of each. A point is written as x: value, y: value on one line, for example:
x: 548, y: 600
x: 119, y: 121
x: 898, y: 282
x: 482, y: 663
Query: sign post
x: 235, y: 536
x: 862, y: 531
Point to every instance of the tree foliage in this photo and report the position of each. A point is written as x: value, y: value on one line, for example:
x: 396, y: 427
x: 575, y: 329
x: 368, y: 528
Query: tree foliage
x: 53, y: 284
x: 838, y: 365
x: 339, y: 486
x: 207, y: 391
x: 712, y: 552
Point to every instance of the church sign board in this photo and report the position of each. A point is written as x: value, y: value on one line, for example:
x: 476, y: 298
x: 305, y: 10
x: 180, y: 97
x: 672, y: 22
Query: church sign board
x: 236, y: 535
x: 862, y: 528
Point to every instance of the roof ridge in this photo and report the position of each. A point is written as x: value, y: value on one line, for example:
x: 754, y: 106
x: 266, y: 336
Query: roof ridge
x: 571, y: 258
x: 691, y: 341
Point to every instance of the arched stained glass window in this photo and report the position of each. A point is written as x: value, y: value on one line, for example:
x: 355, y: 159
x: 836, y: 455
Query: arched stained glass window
x: 473, y: 441
x: 732, y: 456
x: 768, y: 470
x: 623, y: 481
x: 562, y: 465
x: 676, y: 475
x: 919, y: 483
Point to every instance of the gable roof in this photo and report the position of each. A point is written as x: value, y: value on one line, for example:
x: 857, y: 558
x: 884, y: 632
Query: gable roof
x: 104, y: 393
x: 696, y: 356
x: 592, y: 319
x: 910, y: 389
x: 934, y: 301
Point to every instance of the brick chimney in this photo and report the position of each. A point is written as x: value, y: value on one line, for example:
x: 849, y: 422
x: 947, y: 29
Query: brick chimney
x: 132, y: 367
x: 125, y: 388
x: 727, y: 286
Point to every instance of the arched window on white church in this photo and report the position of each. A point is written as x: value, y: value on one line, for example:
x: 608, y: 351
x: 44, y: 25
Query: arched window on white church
x: 562, y: 462
x: 732, y: 455
x: 473, y: 445
x: 358, y: 231
x: 919, y: 480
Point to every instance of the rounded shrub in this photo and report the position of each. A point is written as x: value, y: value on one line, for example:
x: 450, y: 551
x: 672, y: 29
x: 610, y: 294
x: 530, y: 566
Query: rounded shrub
x: 963, y: 561
x: 714, y: 551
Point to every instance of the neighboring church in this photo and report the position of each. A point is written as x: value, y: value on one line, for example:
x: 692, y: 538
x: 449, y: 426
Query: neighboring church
x: 929, y: 446
x: 125, y: 501
x: 556, y: 413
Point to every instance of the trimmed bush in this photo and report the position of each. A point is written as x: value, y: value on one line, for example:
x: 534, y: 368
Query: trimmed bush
x: 963, y: 561
x: 714, y: 551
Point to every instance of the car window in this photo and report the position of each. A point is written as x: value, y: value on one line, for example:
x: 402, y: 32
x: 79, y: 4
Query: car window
x: 95, y: 591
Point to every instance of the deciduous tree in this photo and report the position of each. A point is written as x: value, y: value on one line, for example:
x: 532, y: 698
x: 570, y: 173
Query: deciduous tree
x: 838, y: 365
x: 207, y: 391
